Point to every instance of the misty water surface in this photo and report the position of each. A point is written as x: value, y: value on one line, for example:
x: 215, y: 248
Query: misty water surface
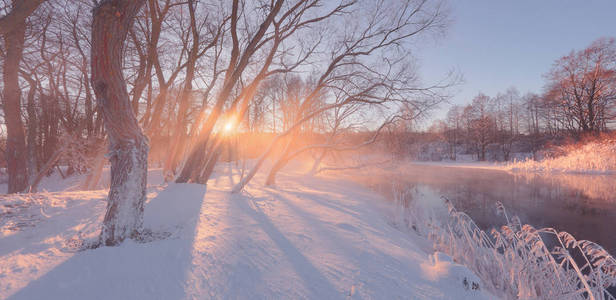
x: 583, y: 205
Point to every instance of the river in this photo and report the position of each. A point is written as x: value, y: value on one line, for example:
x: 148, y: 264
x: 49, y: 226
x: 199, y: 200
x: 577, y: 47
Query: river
x: 583, y: 205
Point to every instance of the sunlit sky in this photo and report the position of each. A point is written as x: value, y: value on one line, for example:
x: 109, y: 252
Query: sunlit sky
x: 497, y: 44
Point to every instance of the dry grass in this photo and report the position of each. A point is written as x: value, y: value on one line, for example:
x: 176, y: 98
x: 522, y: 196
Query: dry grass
x: 519, y: 261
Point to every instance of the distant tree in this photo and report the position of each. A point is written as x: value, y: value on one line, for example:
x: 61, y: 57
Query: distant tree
x: 532, y: 104
x: 481, y: 124
x: 506, y: 113
x: 128, y: 147
x: 453, y: 130
x: 582, y: 87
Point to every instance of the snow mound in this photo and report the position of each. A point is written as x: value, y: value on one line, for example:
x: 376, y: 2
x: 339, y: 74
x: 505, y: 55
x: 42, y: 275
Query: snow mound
x: 441, y: 267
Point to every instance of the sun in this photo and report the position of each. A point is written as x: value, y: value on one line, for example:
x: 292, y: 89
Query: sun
x: 228, y: 127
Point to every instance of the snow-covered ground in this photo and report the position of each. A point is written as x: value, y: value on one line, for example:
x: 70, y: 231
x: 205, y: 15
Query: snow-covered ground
x: 308, y: 238
x: 464, y: 164
x: 597, y: 157
x: 594, y: 157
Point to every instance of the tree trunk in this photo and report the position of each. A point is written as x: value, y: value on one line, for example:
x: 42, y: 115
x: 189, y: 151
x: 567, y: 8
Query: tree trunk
x: 32, y: 129
x: 16, y: 141
x: 280, y: 163
x: 180, y: 136
x: 244, y: 181
x: 317, y: 162
x: 237, y: 63
x: 46, y: 169
x: 209, y: 166
x: 127, y: 144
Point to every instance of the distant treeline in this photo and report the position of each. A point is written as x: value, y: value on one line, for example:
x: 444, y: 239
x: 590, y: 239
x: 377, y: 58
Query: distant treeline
x: 579, y: 99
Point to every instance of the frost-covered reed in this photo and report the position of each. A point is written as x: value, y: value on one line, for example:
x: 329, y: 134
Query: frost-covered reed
x: 519, y: 261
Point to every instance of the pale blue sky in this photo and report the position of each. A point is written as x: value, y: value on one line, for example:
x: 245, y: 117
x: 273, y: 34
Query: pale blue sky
x: 497, y: 44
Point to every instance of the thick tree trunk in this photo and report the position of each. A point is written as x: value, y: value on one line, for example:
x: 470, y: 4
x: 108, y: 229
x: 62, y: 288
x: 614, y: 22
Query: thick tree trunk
x: 193, y: 166
x: 209, y: 166
x: 196, y: 160
x: 21, y: 10
x: 127, y: 144
x: 16, y: 154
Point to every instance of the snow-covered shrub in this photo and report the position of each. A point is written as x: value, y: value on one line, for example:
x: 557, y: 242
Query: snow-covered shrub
x: 598, y: 156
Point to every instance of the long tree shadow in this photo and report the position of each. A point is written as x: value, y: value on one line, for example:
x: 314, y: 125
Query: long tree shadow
x: 319, y: 227
x: 356, y: 245
x: 319, y: 286
x: 153, y: 270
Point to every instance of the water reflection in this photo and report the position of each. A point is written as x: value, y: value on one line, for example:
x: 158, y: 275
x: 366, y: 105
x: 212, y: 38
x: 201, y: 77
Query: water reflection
x: 583, y: 205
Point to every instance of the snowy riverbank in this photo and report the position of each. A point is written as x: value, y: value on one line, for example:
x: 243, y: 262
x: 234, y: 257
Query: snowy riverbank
x: 595, y: 157
x: 317, y: 238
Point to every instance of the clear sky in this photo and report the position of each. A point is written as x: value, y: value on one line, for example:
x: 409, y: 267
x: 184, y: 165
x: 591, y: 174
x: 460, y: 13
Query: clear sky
x: 497, y: 44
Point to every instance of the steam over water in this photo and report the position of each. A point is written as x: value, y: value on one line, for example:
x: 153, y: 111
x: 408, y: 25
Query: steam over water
x: 583, y: 205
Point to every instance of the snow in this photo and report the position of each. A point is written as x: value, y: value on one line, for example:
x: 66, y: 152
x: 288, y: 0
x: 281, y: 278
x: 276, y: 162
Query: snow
x: 594, y: 157
x: 597, y: 157
x: 308, y: 238
x: 440, y: 265
x: 463, y: 164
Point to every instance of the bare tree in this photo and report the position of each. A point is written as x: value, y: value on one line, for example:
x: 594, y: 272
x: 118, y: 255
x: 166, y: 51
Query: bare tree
x: 196, y: 50
x: 481, y: 124
x: 582, y: 85
x: 351, y: 71
x: 12, y: 30
x: 453, y: 132
x: 338, y: 124
x: 128, y: 147
x: 273, y: 28
x: 506, y: 114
